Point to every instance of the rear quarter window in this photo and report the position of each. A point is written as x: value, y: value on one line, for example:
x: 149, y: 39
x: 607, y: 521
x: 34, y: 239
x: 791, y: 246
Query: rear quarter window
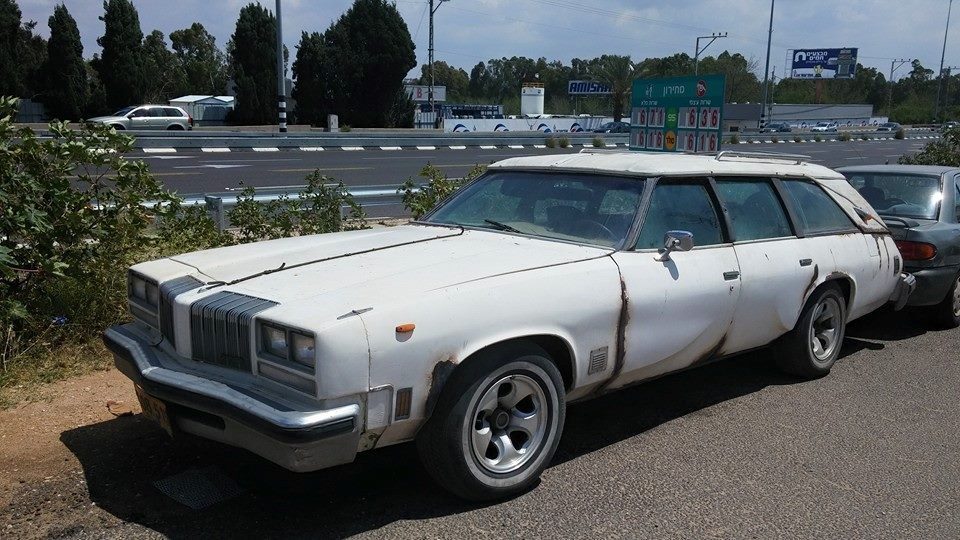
x: 173, y: 112
x: 816, y: 211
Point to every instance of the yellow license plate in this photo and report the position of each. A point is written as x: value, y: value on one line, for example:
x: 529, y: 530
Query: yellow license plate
x: 154, y: 409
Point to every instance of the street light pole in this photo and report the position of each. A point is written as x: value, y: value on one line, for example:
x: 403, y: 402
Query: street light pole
x: 946, y: 32
x: 430, y: 61
x: 696, y: 55
x: 894, y: 66
x: 281, y: 84
x: 766, y: 69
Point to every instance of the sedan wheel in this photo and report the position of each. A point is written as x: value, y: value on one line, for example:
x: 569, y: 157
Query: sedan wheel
x: 496, y: 424
x: 947, y: 313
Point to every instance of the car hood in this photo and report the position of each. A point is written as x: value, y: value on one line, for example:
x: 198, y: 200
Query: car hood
x: 106, y: 118
x: 378, y: 263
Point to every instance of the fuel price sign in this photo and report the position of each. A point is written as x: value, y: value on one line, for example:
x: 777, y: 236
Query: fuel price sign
x: 677, y: 114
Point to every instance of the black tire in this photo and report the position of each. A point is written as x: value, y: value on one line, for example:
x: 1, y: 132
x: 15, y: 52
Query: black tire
x: 946, y: 314
x: 796, y: 352
x: 175, y: 127
x: 446, y: 442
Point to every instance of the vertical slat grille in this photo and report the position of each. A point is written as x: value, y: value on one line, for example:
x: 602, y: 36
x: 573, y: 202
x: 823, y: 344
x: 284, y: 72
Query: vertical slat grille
x: 220, y: 328
x: 168, y: 292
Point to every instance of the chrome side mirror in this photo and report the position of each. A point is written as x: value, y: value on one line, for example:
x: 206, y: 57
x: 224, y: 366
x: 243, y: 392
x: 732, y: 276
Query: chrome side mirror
x: 675, y: 241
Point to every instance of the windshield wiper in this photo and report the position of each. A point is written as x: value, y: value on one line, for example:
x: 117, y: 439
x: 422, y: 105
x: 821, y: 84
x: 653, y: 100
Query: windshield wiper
x: 503, y: 226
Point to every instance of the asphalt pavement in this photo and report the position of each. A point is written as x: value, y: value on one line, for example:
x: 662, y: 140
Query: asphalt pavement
x: 194, y: 171
x: 731, y: 450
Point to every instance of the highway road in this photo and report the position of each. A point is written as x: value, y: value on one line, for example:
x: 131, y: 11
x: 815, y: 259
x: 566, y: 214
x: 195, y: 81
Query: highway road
x: 192, y: 171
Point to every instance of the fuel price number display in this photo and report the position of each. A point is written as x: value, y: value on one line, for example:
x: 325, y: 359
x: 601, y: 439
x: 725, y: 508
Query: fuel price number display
x: 677, y: 114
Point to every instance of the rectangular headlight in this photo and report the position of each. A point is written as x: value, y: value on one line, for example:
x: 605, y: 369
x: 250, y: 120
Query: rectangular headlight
x: 303, y: 349
x: 273, y: 341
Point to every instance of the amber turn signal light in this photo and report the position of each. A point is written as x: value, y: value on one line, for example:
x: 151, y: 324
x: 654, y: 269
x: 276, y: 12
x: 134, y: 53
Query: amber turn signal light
x: 404, y: 328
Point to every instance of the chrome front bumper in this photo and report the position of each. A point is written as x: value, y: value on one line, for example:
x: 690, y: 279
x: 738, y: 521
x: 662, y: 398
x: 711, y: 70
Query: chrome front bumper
x: 299, y: 438
x: 906, y: 284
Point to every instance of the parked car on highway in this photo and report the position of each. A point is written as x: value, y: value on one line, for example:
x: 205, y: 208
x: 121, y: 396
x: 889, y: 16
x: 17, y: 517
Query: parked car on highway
x: 921, y: 205
x: 823, y: 127
x: 953, y: 124
x: 776, y: 127
x: 613, y: 127
x: 145, y: 117
x: 889, y: 126
x: 548, y: 279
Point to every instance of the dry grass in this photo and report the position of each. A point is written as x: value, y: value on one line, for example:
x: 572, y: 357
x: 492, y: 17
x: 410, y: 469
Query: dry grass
x: 24, y: 378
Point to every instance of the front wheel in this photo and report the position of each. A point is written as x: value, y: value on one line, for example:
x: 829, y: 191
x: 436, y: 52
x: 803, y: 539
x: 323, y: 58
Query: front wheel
x: 496, y: 425
x: 946, y: 314
x: 813, y: 346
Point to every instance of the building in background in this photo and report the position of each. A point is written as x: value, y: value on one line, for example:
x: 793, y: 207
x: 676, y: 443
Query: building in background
x: 206, y: 110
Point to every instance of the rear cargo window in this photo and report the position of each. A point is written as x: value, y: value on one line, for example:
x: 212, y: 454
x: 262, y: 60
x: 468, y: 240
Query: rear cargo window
x: 817, y: 212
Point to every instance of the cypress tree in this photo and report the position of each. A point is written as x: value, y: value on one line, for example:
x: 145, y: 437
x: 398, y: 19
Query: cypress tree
x: 253, y: 64
x: 65, y: 71
x: 10, y: 72
x: 121, y: 64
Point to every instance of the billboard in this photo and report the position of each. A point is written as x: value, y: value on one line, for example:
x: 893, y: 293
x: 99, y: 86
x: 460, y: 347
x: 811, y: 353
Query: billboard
x: 677, y: 114
x: 588, y: 88
x: 421, y: 93
x: 823, y: 63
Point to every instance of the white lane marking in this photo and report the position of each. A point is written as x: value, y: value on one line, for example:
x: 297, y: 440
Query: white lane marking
x: 391, y: 148
x: 266, y: 149
x: 215, y: 150
x: 160, y: 150
x: 212, y: 167
x: 614, y: 145
x: 515, y: 146
x: 458, y: 147
x: 311, y: 148
x: 426, y: 148
x: 540, y: 146
x: 588, y: 146
x: 482, y: 147
x: 892, y: 155
x: 855, y: 158
x: 351, y: 148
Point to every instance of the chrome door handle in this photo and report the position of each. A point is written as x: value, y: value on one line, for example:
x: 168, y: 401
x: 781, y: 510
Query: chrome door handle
x: 730, y: 276
x: 806, y: 262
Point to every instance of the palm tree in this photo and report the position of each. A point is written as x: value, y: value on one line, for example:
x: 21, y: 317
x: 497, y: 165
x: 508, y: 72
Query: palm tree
x: 619, y: 72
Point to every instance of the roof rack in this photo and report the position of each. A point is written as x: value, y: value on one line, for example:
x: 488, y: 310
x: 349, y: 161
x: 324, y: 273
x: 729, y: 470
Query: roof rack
x: 603, y: 151
x: 773, y: 156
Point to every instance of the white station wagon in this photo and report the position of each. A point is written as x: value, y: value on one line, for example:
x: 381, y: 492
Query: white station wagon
x: 547, y: 280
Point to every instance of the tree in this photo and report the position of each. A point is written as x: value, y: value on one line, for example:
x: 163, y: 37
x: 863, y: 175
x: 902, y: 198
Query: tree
x: 162, y: 73
x: 121, y: 64
x: 31, y: 56
x: 204, y: 65
x: 455, y: 79
x: 10, y: 74
x: 65, y: 72
x: 96, y: 94
x: 253, y: 62
x: 742, y: 84
x: 310, y: 88
x: 367, y: 53
x: 479, y: 80
x: 619, y: 72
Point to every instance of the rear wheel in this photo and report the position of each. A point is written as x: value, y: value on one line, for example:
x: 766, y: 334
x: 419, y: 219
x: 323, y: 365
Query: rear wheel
x: 497, y: 423
x: 947, y: 313
x: 813, y: 346
x: 175, y: 127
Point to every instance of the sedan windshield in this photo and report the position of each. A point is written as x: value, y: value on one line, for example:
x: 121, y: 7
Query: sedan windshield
x: 124, y: 111
x: 902, y: 195
x: 591, y: 209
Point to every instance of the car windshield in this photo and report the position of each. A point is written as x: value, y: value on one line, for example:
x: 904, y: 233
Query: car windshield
x: 124, y: 111
x: 902, y: 195
x: 584, y: 208
x: 823, y: 123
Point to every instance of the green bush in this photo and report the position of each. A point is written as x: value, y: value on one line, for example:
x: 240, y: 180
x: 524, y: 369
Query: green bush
x: 945, y: 151
x: 774, y: 139
x: 345, y: 128
x: 551, y: 142
x: 844, y: 137
x: 735, y: 138
x: 797, y: 138
x: 598, y: 142
x: 419, y: 199
x: 564, y: 142
x: 864, y: 137
x: 901, y: 134
x: 818, y: 138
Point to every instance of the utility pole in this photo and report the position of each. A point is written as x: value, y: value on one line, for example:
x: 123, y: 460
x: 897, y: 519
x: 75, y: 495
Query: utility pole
x: 696, y: 56
x: 766, y: 69
x: 281, y: 83
x: 894, y: 66
x: 433, y: 9
x: 936, y: 108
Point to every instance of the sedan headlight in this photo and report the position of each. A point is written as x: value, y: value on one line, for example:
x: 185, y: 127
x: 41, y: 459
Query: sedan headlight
x: 143, y: 290
x: 287, y: 344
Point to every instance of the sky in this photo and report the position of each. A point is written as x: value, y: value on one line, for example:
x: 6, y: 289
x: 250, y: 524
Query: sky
x: 470, y: 31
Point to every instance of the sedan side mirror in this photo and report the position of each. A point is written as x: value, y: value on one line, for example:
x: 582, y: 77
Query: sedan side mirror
x: 675, y: 241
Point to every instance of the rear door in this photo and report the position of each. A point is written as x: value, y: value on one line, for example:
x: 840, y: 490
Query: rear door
x: 678, y: 310
x: 776, y: 267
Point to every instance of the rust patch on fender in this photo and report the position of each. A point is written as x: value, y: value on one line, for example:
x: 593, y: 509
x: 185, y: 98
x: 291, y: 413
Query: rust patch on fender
x: 622, y: 322
x: 715, y: 352
x: 437, y: 380
x: 810, y: 286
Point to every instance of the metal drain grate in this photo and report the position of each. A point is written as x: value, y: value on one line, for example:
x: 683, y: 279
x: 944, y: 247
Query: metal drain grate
x: 199, y: 488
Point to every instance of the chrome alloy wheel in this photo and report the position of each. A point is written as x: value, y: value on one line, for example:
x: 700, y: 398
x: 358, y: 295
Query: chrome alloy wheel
x: 510, y: 423
x: 825, y: 329
x: 956, y: 298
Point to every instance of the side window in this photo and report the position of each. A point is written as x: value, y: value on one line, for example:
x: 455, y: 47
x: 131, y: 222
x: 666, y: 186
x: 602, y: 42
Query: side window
x: 174, y: 113
x: 157, y: 112
x: 683, y: 207
x: 755, y: 210
x: 140, y: 113
x: 817, y: 212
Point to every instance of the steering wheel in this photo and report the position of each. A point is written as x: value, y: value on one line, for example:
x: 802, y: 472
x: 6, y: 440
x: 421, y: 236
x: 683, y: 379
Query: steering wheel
x: 597, y: 227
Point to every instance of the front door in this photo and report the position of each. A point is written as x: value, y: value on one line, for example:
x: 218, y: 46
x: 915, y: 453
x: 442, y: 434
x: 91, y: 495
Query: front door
x: 678, y: 310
